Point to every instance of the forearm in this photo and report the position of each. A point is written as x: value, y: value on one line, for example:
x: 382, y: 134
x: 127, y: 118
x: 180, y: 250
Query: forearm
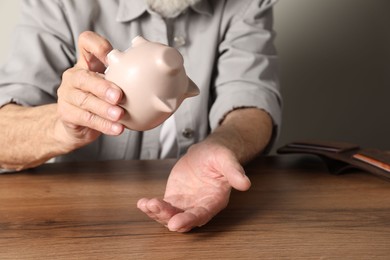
x: 246, y: 132
x: 28, y: 136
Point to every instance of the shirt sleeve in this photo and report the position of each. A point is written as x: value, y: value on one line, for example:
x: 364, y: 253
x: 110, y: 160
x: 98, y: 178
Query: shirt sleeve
x: 41, y: 50
x: 247, y: 64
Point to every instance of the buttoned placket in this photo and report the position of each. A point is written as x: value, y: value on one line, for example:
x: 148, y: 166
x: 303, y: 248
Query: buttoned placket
x: 173, y: 33
x: 184, y: 122
x: 150, y: 141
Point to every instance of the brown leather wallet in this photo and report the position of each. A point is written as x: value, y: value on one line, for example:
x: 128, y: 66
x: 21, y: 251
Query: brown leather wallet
x: 341, y: 156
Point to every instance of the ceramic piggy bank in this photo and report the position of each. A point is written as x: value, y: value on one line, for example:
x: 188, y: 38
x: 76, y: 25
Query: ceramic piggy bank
x: 153, y: 80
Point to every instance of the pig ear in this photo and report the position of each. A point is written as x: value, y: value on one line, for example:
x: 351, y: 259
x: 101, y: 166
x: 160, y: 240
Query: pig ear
x: 113, y: 56
x: 167, y: 106
x: 170, y: 60
x: 192, y: 89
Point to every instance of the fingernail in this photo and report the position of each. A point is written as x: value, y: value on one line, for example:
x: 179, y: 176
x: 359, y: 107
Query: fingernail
x: 113, y: 95
x: 114, y: 113
x: 116, y: 128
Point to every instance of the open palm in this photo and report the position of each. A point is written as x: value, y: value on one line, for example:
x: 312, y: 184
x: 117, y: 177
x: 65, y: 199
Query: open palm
x: 198, y: 188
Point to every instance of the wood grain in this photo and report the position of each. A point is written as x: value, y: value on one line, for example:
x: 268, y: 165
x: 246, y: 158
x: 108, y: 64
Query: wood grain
x: 294, y: 210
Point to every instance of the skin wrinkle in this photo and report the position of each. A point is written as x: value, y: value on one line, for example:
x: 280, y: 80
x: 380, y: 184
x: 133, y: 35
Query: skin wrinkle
x: 215, y: 181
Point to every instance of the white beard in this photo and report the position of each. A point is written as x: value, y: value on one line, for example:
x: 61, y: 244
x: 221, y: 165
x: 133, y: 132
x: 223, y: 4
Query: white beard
x: 170, y: 8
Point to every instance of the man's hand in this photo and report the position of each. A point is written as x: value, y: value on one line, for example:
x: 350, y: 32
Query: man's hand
x: 87, y: 103
x: 200, y: 183
x: 198, y: 188
x: 87, y: 106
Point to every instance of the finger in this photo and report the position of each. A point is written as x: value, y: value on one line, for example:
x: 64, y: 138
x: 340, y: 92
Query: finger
x: 90, y: 82
x: 157, y: 209
x: 152, y: 211
x: 73, y: 115
x: 93, y: 50
x: 235, y: 174
x: 194, y: 217
x: 91, y: 103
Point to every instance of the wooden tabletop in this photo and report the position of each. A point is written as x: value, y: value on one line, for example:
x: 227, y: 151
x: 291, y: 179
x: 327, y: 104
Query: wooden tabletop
x: 295, y: 209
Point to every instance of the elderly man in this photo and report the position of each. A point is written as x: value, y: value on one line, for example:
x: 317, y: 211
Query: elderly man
x: 55, y: 103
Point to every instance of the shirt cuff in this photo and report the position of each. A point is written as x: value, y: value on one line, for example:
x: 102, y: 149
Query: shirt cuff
x: 266, y: 100
x: 24, y: 95
x: 226, y: 103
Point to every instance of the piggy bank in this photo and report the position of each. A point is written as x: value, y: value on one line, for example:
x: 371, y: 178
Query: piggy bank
x: 153, y: 80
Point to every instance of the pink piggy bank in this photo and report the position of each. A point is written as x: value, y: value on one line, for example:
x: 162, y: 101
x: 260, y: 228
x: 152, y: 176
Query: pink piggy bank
x: 153, y: 80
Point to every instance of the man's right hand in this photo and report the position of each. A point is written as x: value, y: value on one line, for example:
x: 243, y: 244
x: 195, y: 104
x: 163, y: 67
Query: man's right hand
x: 87, y: 107
x: 87, y: 103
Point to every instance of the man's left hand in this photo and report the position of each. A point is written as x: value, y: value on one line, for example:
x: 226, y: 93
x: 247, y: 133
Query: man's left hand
x: 198, y: 187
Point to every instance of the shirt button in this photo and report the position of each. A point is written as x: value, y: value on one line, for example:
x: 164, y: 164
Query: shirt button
x: 188, y: 133
x: 179, y: 41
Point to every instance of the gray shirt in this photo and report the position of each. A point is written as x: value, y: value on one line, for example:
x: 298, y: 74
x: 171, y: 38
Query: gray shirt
x: 227, y: 46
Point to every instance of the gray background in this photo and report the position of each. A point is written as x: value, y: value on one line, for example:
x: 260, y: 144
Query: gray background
x: 334, y: 68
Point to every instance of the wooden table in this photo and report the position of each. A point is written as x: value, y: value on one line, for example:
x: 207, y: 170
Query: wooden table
x: 294, y: 210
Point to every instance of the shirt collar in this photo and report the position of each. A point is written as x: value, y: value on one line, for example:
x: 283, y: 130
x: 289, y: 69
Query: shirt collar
x: 131, y: 9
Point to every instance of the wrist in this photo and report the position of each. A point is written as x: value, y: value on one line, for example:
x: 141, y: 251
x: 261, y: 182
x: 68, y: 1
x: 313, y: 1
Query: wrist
x: 228, y: 139
x: 70, y: 137
x: 245, y: 132
x: 32, y: 140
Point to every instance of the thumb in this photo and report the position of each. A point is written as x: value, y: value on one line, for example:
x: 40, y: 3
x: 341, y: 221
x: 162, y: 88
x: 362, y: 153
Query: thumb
x: 235, y: 174
x: 93, y: 50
